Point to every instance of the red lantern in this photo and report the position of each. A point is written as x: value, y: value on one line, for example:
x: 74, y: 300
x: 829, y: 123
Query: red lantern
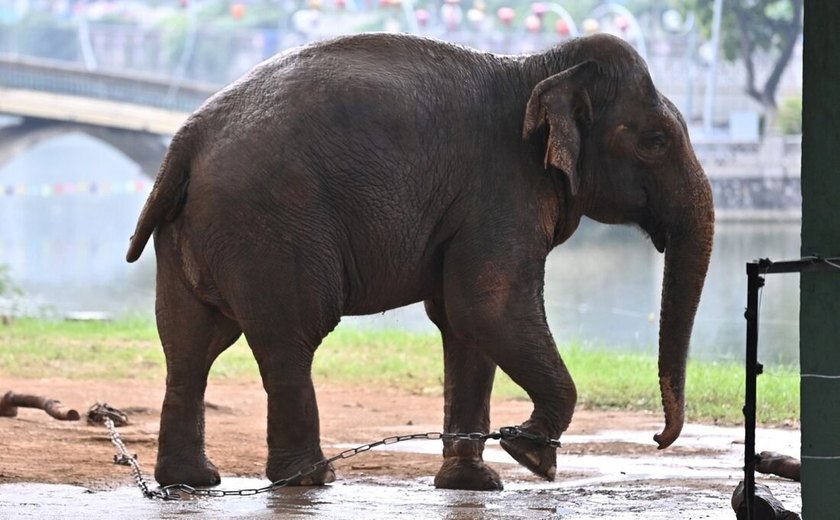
x: 506, y: 15
x: 451, y: 14
x: 237, y: 10
x: 562, y: 28
x: 422, y: 16
x: 539, y: 9
x: 622, y: 23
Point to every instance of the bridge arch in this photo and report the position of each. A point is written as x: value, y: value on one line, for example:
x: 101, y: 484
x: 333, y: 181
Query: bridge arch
x: 145, y: 149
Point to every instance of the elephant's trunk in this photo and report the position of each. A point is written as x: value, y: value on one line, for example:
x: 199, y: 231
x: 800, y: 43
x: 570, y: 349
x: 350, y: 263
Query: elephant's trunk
x: 687, y: 253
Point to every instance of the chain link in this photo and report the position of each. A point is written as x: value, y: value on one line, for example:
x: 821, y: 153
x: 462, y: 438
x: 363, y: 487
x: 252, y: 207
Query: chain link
x: 123, y: 458
x: 175, y: 491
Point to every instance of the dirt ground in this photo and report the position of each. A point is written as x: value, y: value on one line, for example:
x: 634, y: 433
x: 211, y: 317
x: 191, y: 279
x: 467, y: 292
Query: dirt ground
x: 37, y: 448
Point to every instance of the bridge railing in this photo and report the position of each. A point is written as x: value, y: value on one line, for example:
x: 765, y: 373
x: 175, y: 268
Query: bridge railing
x: 73, y: 79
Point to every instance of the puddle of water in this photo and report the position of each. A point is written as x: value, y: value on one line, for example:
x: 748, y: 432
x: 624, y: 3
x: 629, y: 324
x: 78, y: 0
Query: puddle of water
x: 650, y: 463
x: 619, y: 488
x: 381, y: 499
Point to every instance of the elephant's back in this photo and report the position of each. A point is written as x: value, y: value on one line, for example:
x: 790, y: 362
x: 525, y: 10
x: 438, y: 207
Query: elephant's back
x: 366, y: 76
x: 351, y: 103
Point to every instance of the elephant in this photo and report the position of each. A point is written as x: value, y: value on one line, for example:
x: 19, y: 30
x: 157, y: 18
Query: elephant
x: 368, y: 172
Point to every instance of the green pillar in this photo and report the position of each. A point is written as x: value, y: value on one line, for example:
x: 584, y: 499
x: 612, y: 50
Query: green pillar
x: 819, y: 324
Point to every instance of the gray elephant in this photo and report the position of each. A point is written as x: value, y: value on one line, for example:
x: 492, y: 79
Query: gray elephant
x: 368, y: 172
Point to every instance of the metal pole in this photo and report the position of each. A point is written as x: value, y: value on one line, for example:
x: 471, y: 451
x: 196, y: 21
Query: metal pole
x: 753, y: 369
x: 691, y: 45
x: 711, y: 76
x: 83, y: 33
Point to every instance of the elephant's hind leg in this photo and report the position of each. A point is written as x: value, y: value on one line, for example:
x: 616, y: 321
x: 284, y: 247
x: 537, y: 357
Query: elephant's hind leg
x: 293, y: 423
x: 283, y: 337
x: 468, y: 381
x: 193, y: 335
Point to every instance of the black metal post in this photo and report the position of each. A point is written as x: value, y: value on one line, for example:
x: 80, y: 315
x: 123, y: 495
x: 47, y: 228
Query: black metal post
x: 753, y: 369
x: 756, y: 271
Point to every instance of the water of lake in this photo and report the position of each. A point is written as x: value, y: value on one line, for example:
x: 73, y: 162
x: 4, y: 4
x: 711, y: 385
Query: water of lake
x: 66, y: 251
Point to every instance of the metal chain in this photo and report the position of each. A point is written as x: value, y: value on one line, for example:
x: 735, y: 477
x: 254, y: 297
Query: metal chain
x: 123, y: 458
x: 175, y: 491
x: 100, y: 411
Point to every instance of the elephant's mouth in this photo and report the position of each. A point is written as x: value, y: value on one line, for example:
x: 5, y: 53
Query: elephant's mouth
x: 656, y: 232
x: 651, y: 225
x: 659, y: 240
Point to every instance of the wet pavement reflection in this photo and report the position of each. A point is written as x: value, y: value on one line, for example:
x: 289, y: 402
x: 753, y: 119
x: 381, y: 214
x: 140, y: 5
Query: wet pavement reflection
x: 656, y: 486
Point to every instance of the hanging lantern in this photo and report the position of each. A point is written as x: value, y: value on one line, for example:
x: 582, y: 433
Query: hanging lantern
x: 422, y: 17
x: 506, y: 15
x: 475, y: 16
x: 622, y: 23
x: 237, y: 10
x: 591, y: 26
x: 562, y: 28
x: 539, y: 9
x: 451, y: 14
x: 533, y: 24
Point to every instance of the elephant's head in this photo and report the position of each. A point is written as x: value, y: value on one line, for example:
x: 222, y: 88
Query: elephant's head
x: 625, y: 152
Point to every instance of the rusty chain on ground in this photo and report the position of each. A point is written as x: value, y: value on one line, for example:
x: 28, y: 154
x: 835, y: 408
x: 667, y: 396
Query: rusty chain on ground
x: 175, y: 491
x: 99, y: 412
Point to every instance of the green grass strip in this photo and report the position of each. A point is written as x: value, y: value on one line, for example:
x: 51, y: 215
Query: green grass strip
x: 129, y: 348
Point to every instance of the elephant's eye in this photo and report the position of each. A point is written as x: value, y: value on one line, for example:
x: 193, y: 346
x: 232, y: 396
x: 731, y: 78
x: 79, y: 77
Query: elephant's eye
x: 652, y: 144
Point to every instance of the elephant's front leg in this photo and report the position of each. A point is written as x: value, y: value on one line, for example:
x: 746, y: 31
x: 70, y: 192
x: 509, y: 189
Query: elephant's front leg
x: 468, y: 381
x: 497, y: 305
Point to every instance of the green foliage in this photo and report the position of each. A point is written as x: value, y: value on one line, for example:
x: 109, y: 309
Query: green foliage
x: 129, y: 349
x: 9, y: 293
x: 749, y: 28
x: 790, y: 115
x: 42, y: 34
x: 7, y: 287
x: 760, y: 18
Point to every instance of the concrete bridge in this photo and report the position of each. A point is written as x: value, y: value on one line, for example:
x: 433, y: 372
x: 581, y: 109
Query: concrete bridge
x: 133, y: 113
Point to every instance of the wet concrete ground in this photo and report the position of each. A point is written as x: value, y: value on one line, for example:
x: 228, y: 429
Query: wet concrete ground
x: 588, y: 487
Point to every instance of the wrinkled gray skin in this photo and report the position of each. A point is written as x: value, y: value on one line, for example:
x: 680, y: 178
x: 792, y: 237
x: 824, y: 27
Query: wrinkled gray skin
x: 374, y: 171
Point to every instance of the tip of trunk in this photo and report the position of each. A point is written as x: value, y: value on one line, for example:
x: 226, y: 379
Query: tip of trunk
x: 668, y: 435
x: 673, y: 403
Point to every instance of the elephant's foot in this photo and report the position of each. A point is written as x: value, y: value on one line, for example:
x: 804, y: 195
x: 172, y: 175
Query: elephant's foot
x: 540, y: 459
x: 467, y: 473
x: 180, y: 470
x: 283, y: 469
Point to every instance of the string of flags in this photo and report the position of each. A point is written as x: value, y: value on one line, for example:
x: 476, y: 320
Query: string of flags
x: 61, y: 189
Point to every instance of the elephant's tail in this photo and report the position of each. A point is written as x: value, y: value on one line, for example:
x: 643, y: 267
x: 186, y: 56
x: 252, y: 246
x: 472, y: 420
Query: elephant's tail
x: 168, y: 193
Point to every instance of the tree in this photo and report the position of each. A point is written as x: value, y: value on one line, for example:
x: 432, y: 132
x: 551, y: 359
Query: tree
x: 753, y: 27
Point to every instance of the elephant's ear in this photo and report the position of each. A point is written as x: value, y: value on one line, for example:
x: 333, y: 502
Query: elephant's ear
x: 562, y: 102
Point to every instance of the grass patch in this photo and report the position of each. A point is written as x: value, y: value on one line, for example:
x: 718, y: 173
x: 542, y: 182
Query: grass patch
x: 129, y: 348
x: 714, y: 391
x: 125, y: 348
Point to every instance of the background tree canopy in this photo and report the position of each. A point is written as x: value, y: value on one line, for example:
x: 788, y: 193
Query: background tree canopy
x: 753, y: 27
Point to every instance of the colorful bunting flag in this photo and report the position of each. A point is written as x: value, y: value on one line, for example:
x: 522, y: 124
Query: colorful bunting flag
x: 62, y: 189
